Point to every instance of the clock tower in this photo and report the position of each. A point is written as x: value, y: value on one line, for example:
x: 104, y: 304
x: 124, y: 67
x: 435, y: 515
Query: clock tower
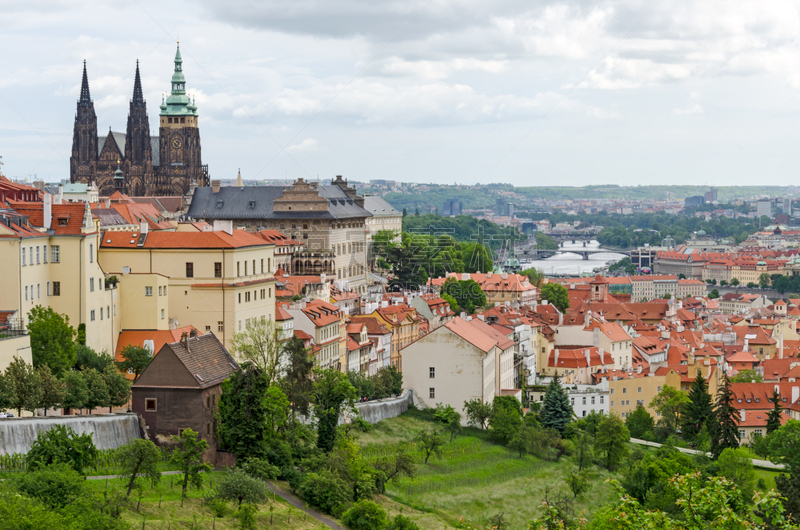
x: 179, y: 140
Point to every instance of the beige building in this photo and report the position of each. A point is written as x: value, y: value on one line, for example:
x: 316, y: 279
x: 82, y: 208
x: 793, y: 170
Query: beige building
x: 216, y: 281
x: 326, y: 324
x: 403, y: 322
x: 49, y: 258
x: 384, y: 216
x: 458, y: 362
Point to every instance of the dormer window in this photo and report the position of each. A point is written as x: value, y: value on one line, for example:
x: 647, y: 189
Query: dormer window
x: 220, y: 203
x: 251, y: 204
x: 62, y: 222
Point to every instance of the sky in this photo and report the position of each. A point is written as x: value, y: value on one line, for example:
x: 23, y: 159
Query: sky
x: 539, y: 93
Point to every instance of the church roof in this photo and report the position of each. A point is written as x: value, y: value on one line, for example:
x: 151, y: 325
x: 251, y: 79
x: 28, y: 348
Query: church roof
x: 256, y: 202
x: 118, y: 137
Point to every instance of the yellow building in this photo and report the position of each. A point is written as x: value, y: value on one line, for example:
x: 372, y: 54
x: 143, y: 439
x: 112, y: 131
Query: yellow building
x: 326, y: 324
x: 49, y: 257
x: 403, y: 322
x: 217, y: 281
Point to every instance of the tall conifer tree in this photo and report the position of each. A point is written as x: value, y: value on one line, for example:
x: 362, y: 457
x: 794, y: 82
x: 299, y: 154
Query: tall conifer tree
x: 725, y: 432
x: 556, y: 409
x: 698, y: 410
x: 774, y: 416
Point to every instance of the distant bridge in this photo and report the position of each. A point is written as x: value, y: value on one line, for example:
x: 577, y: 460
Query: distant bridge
x: 540, y: 254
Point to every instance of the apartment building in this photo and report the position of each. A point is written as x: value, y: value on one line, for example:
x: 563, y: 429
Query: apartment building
x: 403, y: 322
x: 326, y: 324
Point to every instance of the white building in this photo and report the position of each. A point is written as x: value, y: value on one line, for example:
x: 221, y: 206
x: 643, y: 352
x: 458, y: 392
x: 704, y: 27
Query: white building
x: 586, y: 399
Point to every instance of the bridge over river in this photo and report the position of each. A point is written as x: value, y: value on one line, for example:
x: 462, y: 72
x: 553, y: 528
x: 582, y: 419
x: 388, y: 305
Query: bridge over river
x: 582, y: 248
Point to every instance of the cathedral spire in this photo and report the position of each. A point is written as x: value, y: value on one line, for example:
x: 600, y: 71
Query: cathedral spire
x: 138, y: 98
x: 86, y: 98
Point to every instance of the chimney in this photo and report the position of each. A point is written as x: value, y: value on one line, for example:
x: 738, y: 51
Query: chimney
x: 742, y: 413
x: 59, y: 198
x: 588, y: 353
x: 185, y: 341
x: 602, y: 356
x: 639, y: 369
x: 47, y: 211
x: 746, y: 345
x: 108, y: 202
x: 555, y: 357
x: 795, y: 394
x: 224, y: 226
x: 143, y: 227
x: 215, y: 184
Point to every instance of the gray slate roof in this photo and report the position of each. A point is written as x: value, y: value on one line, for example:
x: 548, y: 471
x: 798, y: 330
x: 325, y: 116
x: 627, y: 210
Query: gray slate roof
x: 119, y: 137
x: 378, y: 207
x: 109, y: 217
x: 255, y: 202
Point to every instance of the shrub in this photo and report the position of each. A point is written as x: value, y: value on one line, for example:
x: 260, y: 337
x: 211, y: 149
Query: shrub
x: 261, y: 469
x: 401, y: 522
x: 238, y: 486
x: 57, y: 485
x: 325, y: 491
x: 219, y: 507
x: 61, y: 445
x: 365, y: 515
x: 247, y: 516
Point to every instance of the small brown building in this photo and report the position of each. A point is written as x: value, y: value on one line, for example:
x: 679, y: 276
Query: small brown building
x: 181, y: 386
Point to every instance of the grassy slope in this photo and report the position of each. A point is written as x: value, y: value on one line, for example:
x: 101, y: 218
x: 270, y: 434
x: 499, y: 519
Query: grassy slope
x: 474, y: 480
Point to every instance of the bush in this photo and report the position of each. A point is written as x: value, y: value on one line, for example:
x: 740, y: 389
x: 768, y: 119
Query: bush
x: 61, y: 445
x: 261, y: 469
x: 401, y: 522
x: 219, y: 507
x: 247, y: 516
x: 362, y: 424
x: 57, y: 485
x: 365, y: 515
x: 240, y: 487
x: 325, y: 491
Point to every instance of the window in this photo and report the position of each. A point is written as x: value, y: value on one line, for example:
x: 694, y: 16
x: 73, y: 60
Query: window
x: 189, y: 269
x: 150, y: 404
x: 30, y: 255
x: 91, y: 285
x: 48, y: 288
x: 37, y: 254
x: 741, y: 433
x: 56, y: 288
x: 108, y: 311
x: 38, y: 290
x: 208, y: 328
x: 758, y: 432
x: 218, y: 270
x: 431, y: 393
x: 148, y: 291
x: 612, y: 402
x: 583, y: 401
x: 23, y: 256
x: 220, y: 326
x: 640, y: 390
x: 44, y: 254
x: 91, y: 253
x: 26, y: 293
x: 240, y: 324
x: 91, y: 315
x: 159, y: 290
x: 659, y: 389
x: 584, y: 413
x: 101, y: 313
x: 162, y: 314
x: 262, y: 266
x: 432, y: 372
x: 254, y: 266
x: 601, y: 399
x: 238, y: 269
x: 625, y: 390
x: 55, y: 254
x: 592, y: 400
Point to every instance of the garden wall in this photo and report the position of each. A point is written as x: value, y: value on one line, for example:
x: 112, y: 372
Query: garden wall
x: 108, y: 431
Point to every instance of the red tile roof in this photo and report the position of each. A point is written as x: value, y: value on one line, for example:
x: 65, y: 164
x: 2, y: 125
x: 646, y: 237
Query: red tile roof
x: 181, y: 240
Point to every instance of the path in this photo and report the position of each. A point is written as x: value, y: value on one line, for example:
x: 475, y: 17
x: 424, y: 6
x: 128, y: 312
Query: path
x: 766, y: 464
x: 285, y: 495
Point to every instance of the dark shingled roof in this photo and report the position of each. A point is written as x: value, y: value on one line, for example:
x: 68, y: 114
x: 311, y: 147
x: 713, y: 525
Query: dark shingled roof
x: 109, y: 217
x: 120, y: 138
x: 207, y: 359
x: 255, y: 202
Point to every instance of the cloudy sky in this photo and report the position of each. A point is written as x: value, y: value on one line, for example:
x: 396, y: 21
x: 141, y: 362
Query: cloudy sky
x: 466, y: 91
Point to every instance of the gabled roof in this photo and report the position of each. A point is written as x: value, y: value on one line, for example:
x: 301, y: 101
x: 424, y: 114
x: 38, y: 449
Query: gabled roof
x: 67, y: 218
x: 477, y: 333
x: 159, y: 338
x: 374, y: 326
x: 378, y: 207
x: 182, y: 240
x: 322, y: 313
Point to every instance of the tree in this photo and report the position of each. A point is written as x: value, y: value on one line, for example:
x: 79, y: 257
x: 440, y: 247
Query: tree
x: 578, y: 483
x: 669, y: 403
x: 98, y: 390
x: 774, y: 416
x: 188, y: 456
x: 478, y: 413
x: 735, y: 464
x: 449, y: 418
x: 467, y: 293
x: 25, y: 389
x: 714, y: 294
x: 139, y: 458
x: 52, y: 389
x: 784, y: 446
x: 747, y: 376
x: 259, y: 345
x: 556, y: 409
x: 612, y: 440
x: 725, y: 431
x: 698, y: 410
x: 326, y: 491
x: 76, y: 393
x: 764, y: 280
x: 88, y: 358
x: 432, y: 442
x: 240, y: 487
x: 6, y: 392
x: 401, y: 522
x: 556, y: 294
x: 242, y: 415
x: 401, y: 463
x: 405, y: 212
x: 297, y: 384
x: 639, y: 422
x: 52, y: 339
x: 333, y: 394
x: 365, y: 515
x: 536, y: 276
x: 61, y: 445
x: 275, y: 407
x: 134, y: 360
x: 506, y: 418
x: 735, y: 282
x: 119, y: 388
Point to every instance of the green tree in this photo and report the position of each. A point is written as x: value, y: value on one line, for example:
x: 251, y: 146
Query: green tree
x: 98, y: 390
x: 612, y: 441
x: 25, y: 389
x: 639, y: 422
x: 240, y: 487
x: 398, y: 464
x: 52, y: 339
x: 784, y: 446
x: 714, y: 294
x: 401, y: 522
x: 735, y: 282
x: 788, y: 487
x: 467, y: 293
x: 242, y: 414
x: 119, y: 388
x: 556, y: 294
x: 61, y: 445
x: 80, y: 339
x: 139, y: 458
x: 747, y: 376
x: 6, y: 392
x: 725, y: 431
x: 365, y: 515
x: 535, y: 276
x: 774, y: 416
x: 276, y: 406
x: 735, y: 464
x: 556, y: 409
x: 134, y: 360
x: 449, y: 418
x: 405, y: 212
x: 764, y: 280
x: 52, y: 389
x: 76, y: 392
x: 506, y: 419
x: 326, y: 490
x: 297, y: 384
x: 333, y: 395
x: 478, y: 413
x: 431, y: 441
x: 698, y: 410
x: 88, y: 358
x: 669, y: 403
x: 56, y: 486
x: 578, y: 483
x: 188, y: 456
x: 259, y: 345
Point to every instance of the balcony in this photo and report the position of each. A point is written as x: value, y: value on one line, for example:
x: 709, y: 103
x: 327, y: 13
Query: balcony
x: 12, y: 328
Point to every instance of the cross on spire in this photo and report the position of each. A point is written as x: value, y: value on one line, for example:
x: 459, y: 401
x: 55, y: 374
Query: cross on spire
x: 138, y: 98
x: 85, y: 99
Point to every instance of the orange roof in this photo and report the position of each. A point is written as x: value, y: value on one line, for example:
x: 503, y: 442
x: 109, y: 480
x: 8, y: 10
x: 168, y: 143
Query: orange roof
x: 181, y: 240
x: 322, y: 313
x: 67, y: 218
x: 473, y: 334
x: 576, y: 357
x: 135, y: 213
x: 612, y: 330
x: 374, y: 326
x: 276, y: 237
x: 159, y: 338
x: 281, y: 314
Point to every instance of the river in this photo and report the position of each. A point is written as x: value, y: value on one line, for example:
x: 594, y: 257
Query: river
x: 573, y: 264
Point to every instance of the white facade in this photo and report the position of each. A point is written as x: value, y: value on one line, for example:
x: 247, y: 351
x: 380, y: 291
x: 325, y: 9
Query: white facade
x: 586, y: 399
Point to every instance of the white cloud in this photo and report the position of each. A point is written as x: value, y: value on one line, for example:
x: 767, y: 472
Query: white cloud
x: 693, y: 109
x: 309, y: 144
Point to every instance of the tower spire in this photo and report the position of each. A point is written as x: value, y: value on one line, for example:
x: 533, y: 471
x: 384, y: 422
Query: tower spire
x: 86, y: 98
x: 138, y: 98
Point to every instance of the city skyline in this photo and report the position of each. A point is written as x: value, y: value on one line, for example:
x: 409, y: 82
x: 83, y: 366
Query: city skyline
x: 564, y: 92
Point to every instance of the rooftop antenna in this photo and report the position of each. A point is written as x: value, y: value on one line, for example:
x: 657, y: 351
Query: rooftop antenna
x: 1, y: 166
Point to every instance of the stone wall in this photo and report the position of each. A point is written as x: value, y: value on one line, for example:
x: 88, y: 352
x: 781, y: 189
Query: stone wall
x: 381, y: 409
x: 108, y: 431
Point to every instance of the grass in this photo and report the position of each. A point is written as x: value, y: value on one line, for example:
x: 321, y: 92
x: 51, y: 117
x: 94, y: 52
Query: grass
x: 160, y: 507
x: 474, y: 480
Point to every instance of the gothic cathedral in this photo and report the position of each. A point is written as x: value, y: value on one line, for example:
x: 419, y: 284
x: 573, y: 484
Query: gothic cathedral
x: 136, y: 163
